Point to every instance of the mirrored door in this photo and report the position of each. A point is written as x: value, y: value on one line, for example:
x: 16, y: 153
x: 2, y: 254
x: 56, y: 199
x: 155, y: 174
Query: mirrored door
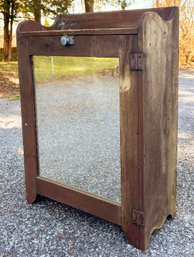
x: 78, y: 123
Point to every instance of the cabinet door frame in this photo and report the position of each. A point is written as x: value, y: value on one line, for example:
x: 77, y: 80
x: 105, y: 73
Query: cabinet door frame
x: 118, y: 43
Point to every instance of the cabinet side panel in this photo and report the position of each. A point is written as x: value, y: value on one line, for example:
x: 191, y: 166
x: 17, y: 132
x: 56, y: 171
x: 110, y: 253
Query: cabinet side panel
x: 159, y: 42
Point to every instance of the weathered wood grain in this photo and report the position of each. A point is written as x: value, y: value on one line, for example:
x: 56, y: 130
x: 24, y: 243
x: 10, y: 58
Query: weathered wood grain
x: 148, y: 110
x: 129, y: 138
x: 158, y: 40
x: 97, y: 20
x: 28, y: 118
x: 79, y: 199
x: 102, y: 31
x: 116, y: 19
x: 97, y: 46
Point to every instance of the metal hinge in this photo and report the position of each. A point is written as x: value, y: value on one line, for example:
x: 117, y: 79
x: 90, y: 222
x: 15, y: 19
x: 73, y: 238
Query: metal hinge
x: 137, y: 61
x: 138, y: 217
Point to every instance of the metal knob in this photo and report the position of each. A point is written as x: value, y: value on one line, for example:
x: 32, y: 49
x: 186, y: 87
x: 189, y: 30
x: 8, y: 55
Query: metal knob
x: 67, y: 40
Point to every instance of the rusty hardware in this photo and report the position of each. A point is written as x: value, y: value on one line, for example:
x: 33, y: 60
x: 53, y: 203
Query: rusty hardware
x: 138, y: 217
x: 136, y: 61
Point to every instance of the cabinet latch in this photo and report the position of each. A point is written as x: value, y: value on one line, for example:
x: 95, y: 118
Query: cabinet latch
x: 138, y: 217
x: 137, y: 61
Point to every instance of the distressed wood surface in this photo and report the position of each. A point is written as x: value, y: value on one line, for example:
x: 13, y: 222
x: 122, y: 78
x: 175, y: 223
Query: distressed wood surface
x: 148, y: 111
x: 129, y: 138
x: 28, y: 118
x: 79, y: 199
x: 115, y: 19
x: 97, y: 46
x: 158, y: 40
x: 103, y: 31
x: 97, y: 20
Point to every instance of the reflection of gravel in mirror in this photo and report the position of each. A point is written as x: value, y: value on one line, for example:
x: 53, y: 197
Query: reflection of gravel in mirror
x: 79, y: 134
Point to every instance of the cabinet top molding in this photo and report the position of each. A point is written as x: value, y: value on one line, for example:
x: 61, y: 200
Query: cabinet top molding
x: 115, y: 22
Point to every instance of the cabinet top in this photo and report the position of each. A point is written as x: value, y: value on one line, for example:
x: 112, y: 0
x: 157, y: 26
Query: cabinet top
x: 104, y: 23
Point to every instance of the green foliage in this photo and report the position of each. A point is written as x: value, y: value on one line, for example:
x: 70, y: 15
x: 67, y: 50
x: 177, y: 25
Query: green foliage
x: 13, y: 54
x: 8, y: 66
x: 30, y: 7
x: 64, y: 67
x: 11, y: 8
x: 14, y: 97
x: 70, y: 66
x: 58, y: 7
x: 45, y: 7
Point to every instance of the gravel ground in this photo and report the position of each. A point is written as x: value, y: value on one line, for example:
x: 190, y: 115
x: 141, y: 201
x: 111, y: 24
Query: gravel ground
x: 48, y: 228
